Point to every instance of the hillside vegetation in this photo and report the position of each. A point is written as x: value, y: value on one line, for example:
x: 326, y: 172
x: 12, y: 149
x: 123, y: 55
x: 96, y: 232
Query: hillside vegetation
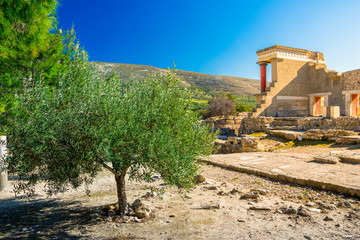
x: 203, y: 87
x: 210, y: 84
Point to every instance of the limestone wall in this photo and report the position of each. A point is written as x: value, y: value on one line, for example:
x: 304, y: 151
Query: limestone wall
x: 351, y: 80
x: 243, y: 124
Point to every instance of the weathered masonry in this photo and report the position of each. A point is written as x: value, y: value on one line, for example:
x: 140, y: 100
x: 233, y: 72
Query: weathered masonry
x: 301, y: 85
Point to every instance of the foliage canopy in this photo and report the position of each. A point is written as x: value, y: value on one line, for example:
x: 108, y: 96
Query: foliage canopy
x: 64, y: 136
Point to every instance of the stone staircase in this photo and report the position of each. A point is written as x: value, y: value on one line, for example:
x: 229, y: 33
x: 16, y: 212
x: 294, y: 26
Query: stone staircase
x: 265, y: 99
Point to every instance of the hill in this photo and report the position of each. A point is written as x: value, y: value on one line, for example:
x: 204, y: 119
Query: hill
x: 210, y: 84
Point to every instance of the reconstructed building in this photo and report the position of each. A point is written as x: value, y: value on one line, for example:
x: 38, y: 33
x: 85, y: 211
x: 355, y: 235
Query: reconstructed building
x: 301, y: 85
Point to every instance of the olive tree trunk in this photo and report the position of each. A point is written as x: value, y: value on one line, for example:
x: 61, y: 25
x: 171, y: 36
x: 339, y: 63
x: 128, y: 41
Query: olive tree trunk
x: 121, y: 193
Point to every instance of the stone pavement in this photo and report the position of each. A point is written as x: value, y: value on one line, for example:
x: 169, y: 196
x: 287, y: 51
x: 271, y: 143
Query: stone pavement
x: 297, y: 165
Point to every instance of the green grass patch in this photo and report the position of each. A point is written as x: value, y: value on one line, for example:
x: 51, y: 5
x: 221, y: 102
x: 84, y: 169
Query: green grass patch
x: 200, y: 101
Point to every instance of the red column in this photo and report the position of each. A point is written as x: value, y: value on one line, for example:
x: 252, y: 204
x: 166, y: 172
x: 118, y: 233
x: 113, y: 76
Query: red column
x: 263, y: 76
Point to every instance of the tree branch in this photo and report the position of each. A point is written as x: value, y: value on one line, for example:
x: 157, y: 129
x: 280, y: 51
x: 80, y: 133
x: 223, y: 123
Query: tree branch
x: 99, y: 160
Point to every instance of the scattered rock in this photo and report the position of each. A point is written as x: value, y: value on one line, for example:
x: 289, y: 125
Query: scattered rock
x: 110, y: 207
x: 137, y: 220
x: 250, y: 195
x: 235, y: 191
x: 259, y: 191
x: 344, y: 204
x: 137, y: 204
x: 172, y: 215
x: 315, y: 210
x: 352, y: 215
x: 279, y: 211
x: 168, y: 221
x: 150, y: 194
x: 303, y: 212
x: 199, y: 179
x: 222, y: 193
x: 310, y: 204
x: 108, y: 219
x: 327, y: 218
x: 209, y: 206
x: 260, y: 208
x: 241, y: 220
x: 327, y: 206
x: 142, y: 212
x: 288, y: 210
x: 210, y: 187
x: 251, y: 203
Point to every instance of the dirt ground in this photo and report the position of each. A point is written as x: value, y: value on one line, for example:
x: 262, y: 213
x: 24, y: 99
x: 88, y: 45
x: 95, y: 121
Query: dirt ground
x: 228, y: 205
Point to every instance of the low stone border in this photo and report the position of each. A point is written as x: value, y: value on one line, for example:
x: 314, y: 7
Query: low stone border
x: 301, y: 181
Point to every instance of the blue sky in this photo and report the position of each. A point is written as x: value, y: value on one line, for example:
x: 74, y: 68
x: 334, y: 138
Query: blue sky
x: 215, y: 37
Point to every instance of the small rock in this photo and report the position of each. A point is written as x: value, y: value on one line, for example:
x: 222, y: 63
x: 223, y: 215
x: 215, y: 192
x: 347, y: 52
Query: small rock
x: 235, y: 190
x: 288, y: 210
x: 222, y: 193
x: 108, y: 219
x: 260, y: 191
x: 327, y: 218
x: 279, y: 211
x: 324, y: 211
x: 344, y: 204
x: 303, y: 212
x: 137, y: 220
x: 327, y: 206
x: 307, y: 237
x: 310, y: 204
x: 347, y: 236
x: 315, y: 210
x: 110, y: 207
x: 337, y: 225
x: 24, y: 229
x: 199, y: 179
x: 111, y: 213
x: 250, y: 195
x: 142, y: 212
x: 137, y: 204
x: 150, y: 194
x: 172, y: 215
x: 168, y: 221
x: 241, y: 220
x: 260, y: 208
x: 211, y: 187
x: 251, y: 203
x: 210, y: 206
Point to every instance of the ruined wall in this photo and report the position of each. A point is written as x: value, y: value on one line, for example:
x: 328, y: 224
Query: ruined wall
x: 351, y: 80
x: 243, y: 124
x: 351, y: 85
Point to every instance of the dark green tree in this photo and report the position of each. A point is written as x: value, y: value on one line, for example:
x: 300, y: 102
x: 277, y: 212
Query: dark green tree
x: 29, y: 50
x: 90, y: 121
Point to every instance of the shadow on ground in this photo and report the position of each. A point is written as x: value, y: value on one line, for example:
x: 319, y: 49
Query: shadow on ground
x: 44, y: 219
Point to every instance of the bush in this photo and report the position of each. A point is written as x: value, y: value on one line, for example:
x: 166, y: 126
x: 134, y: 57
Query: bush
x: 243, y: 108
x: 219, y: 106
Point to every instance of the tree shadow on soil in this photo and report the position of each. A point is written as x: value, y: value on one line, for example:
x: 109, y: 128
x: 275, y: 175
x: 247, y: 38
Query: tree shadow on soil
x: 44, y: 219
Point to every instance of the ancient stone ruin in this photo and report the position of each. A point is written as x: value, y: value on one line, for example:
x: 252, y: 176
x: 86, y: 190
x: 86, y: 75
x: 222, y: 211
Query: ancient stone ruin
x: 301, y: 85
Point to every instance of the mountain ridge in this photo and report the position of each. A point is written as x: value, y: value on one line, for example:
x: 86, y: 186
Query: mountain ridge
x: 209, y: 83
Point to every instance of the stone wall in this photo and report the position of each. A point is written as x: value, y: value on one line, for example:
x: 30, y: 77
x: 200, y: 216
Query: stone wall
x: 242, y: 124
x: 351, y: 80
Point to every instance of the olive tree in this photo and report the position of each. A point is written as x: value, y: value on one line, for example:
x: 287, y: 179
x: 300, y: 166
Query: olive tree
x: 92, y: 121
